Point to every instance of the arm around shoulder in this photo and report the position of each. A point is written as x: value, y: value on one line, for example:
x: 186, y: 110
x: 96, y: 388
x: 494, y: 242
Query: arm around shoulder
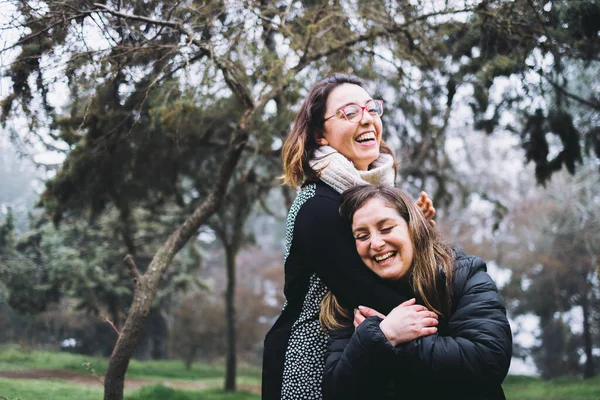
x: 328, y: 248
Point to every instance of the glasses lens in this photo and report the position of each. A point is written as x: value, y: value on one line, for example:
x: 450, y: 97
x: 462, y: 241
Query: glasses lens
x: 375, y: 108
x: 352, y: 113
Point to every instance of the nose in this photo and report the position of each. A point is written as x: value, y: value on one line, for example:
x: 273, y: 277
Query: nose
x: 367, y: 118
x: 377, y: 242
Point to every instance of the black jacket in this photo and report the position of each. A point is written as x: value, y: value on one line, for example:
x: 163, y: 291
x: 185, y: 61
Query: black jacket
x: 468, y: 358
x: 320, y: 254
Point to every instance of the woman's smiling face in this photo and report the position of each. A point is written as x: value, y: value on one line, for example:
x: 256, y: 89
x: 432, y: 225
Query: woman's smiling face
x: 382, y: 239
x: 358, y: 142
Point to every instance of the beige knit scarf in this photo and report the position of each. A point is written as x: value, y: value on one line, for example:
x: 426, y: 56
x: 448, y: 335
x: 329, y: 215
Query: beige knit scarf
x: 339, y: 172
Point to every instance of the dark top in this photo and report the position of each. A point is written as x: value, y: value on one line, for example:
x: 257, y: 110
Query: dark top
x: 320, y: 254
x: 468, y: 358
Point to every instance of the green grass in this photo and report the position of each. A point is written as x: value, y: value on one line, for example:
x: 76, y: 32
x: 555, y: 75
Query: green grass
x: 516, y: 388
x: 531, y: 388
x: 6, y: 366
x: 26, y: 389
x: 159, y: 392
x: 14, y: 359
x: 11, y: 357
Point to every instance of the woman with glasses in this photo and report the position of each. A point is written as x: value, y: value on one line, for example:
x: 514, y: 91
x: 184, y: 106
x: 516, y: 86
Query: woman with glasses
x: 335, y: 144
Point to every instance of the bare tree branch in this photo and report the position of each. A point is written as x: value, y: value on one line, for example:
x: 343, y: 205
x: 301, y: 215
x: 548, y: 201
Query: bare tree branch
x: 593, y: 105
x: 103, y: 8
x: 133, y: 269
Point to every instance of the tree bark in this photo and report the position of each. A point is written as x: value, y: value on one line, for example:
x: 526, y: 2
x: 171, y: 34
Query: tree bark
x: 588, y: 370
x: 231, y: 360
x: 147, y: 284
x: 189, y: 358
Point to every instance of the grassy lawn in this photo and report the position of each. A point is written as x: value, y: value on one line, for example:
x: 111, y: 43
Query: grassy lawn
x: 26, y: 389
x: 17, y: 389
x: 516, y: 387
x: 530, y: 388
x: 162, y: 393
x: 12, y: 358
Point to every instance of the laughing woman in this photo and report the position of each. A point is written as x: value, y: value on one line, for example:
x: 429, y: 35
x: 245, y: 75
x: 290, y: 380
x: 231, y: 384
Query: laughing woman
x: 335, y: 144
x: 451, y: 340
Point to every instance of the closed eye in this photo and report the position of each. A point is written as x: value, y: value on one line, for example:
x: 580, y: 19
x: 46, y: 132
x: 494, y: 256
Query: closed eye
x: 387, y: 229
x: 361, y: 238
x: 350, y: 113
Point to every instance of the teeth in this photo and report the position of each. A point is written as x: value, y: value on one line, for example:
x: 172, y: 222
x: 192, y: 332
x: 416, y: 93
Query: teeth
x: 365, y: 136
x: 385, y: 256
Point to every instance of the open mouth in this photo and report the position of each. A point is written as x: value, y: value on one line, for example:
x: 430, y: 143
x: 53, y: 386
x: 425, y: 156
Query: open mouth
x: 384, y: 257
x: 365, y: 137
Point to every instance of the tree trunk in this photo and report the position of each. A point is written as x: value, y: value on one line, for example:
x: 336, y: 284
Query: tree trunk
x: 147, y: 284
x: 561, y: 310
x: 189, y: 358
x: 114, y: 380
x: 230, y: 371
x: 588, y: 370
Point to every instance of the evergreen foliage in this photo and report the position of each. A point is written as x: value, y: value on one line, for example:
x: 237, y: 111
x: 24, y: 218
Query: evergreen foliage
x: 169, y: 100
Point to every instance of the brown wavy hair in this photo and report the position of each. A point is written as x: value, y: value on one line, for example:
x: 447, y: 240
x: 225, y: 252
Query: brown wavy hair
x: 301, y: 143
x: 430, y: 255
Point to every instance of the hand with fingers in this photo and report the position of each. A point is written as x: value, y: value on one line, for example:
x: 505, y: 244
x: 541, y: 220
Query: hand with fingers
x: 406, y: 322
x: 426, y: 205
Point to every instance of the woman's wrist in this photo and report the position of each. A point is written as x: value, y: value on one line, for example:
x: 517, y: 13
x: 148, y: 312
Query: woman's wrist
x: 388, y: 332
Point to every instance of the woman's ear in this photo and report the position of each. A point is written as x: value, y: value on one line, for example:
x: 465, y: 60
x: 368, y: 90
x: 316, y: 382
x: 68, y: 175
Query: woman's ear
x: 322, y: 141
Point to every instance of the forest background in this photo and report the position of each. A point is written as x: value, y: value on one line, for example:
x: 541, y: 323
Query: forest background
x: 140, y: 206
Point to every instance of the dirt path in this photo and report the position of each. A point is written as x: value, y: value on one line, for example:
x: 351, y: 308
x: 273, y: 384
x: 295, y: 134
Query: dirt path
x: 90, y: 380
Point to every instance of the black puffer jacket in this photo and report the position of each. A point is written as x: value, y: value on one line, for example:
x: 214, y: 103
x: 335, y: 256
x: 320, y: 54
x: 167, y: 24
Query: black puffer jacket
x: 467, y: 359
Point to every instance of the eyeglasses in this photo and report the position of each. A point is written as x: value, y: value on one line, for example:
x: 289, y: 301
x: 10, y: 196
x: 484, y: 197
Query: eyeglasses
x: 354, y: 112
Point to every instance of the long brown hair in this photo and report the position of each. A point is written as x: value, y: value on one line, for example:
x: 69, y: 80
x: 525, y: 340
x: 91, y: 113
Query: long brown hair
x: 430, y: 254
x: 301, y: 143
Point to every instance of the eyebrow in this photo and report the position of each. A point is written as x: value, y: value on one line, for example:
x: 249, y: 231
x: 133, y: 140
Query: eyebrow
x: 352, y: 102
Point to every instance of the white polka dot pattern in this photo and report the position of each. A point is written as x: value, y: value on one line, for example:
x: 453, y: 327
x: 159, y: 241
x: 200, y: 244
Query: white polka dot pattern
x: 306, y: 193
x: 304, y: 357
